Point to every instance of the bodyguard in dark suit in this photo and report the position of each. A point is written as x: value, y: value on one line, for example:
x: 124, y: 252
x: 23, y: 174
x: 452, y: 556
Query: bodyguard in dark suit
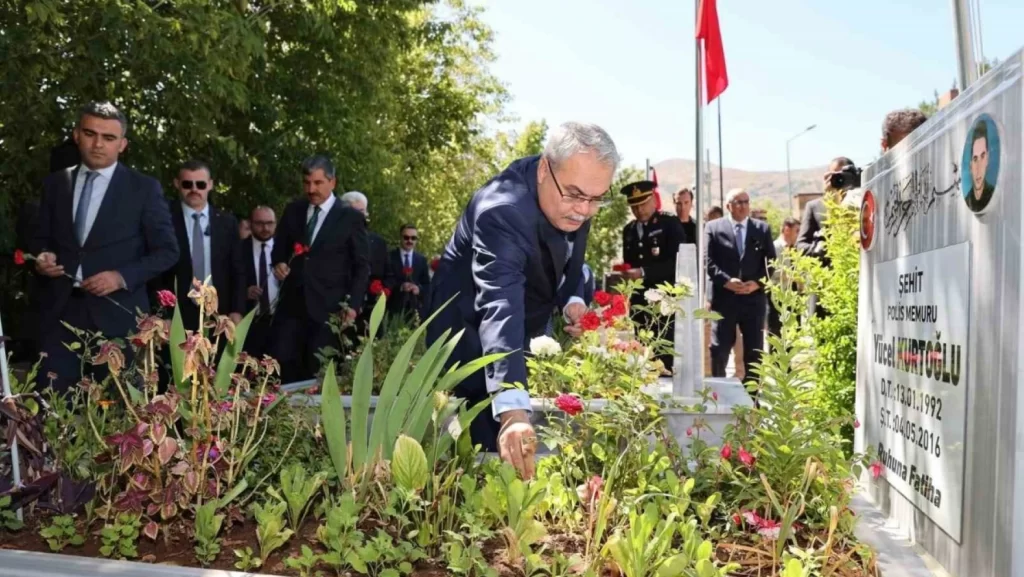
x: 650, y: 244
x: 516, y: 255
x: 412, y: 274
x: 262, y: 287
x: 380, y: 269
x: 208, y: 247
x: 336, y: 269
x: 107, y: 226
x: 739, y: 249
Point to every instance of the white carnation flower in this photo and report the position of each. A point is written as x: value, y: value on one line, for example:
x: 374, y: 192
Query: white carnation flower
x: 653, y: 295
x: 685, y: 282
x: 667, y: 308
x: 545, y: 347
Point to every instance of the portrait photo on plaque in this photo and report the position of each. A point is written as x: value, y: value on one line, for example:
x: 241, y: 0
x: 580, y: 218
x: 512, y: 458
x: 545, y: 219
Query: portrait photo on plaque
x: 980, y: 166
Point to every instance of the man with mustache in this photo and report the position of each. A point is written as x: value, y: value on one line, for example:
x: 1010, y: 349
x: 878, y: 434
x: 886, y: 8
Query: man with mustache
x: 981, y: 190
x: 412, y: 278
x: 515, y: 256
x: 208, y: 247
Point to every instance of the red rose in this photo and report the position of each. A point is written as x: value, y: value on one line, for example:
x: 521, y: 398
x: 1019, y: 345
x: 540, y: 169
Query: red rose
x: 608, y: 316
x: 19, y: 257
x: 570, y: 404
x: 714, y: 395
x: 376, y: 287
x: 876, y: 469
x: 407, y: 271
x: 387, y: 293
x: 746, y: 458
x: 299, y: 249
x: 590, y: 321
x: 434, y: 263
x: 726, y: 452
x: 602, y: 298
x: 622, y: 267
x: 618, y: 307
x: 166, y: 298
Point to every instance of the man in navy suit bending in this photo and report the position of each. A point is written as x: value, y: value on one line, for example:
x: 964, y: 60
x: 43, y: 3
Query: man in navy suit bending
x: 107, y: 226
x: 515, y: 256
x: 738, y: 250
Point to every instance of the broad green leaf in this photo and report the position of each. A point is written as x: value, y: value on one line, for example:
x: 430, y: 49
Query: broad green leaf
x: 396, y: 414
x: 234, y: 492
x: 409, y: 464
x: 362, y: 389
x: 229, y: 358
x: 176, y: 339
x: 332, y: 415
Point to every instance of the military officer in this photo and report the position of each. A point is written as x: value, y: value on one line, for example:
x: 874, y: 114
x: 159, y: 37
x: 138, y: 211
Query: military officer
x: 649, y: 245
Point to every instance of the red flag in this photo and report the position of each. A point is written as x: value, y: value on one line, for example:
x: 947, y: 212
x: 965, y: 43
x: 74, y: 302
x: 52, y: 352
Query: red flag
x: 715, y: 76
x: 657, y: 193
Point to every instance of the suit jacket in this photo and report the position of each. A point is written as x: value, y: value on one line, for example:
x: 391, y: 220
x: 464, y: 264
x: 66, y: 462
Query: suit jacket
x: 420, y: 277
x: 811, y: 239
x: 227, y: 270
x: 976, y: 204
x: 132, y: 234
x: 336, y: 267
x: 380, y: 268
x: 723, y: 262
x: 507, y: 268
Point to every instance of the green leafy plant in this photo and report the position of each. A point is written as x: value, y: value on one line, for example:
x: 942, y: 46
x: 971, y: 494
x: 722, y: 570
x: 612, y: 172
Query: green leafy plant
x: 8, y: 518
x: 513, y: 503
x: 120, y: 537
x: 246, y: 560
x: 303, y: 563
x: 297, y: 491
x: 61, y: 532
x: 400, y: 409
x: 271, y: 530
x: 339, y: 533
x: 207, y: 528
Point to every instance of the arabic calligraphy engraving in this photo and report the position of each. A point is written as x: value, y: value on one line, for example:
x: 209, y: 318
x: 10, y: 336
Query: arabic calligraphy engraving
x: 912, y: 196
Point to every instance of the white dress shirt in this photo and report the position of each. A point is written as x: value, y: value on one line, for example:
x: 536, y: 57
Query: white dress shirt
x: 324, y: 209
x: 406, y: 257
x: 746, y: 232
x: 190, y: 223
x: 273, y: 286
x: 99, y: 190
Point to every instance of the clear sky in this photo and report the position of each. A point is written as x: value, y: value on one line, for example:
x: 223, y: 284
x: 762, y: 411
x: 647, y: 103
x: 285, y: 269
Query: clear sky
x: 629, y: 66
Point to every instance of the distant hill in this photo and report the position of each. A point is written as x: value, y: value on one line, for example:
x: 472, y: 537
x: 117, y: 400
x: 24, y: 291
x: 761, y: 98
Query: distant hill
x: 675, y: 173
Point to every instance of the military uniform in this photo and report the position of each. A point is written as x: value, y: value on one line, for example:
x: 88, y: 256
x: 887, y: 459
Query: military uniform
x: 652, y: 247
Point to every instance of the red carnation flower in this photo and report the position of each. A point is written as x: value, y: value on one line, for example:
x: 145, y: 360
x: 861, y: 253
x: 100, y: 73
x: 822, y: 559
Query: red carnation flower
x: 602, y: 298
x: 19, y: 257
x: 434, y: 263
x: 376, y: 287
x: 618, y: 307
x: 746, y: 458
x: 622, y: 267
x: 727, y: 452
x: 166, y: 298
x: 387, y: 293
x: 590, y: 321
x: 571, y: 405
x: 407, y: 271
x: 876, y: 469
x: 299, y: 249
x: 608, y: 316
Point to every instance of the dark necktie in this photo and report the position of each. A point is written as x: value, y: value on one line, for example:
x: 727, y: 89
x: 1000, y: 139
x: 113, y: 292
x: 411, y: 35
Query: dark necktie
x: 198, y: 254
x: 311, y: 225
x: 408, y: 261
x: 82, y: 214
x: 264, y: 281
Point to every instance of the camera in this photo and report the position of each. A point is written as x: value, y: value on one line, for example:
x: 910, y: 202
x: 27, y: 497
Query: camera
x: 845, y: 178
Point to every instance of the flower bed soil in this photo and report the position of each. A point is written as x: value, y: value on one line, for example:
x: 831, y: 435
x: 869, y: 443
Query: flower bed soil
x: 241, y: 535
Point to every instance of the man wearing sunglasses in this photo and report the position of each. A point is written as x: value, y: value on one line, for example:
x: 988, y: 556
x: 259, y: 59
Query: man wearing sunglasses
x: 412, y: 274
x: 516, y: 255
x: 208, y: 247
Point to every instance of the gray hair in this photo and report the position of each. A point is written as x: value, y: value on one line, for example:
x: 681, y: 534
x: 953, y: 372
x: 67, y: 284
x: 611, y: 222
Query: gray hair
x: 574, y: 138
x: 106, y: 111
x: 732, y: 194
x: 352, y: 197
x: 318, y: 162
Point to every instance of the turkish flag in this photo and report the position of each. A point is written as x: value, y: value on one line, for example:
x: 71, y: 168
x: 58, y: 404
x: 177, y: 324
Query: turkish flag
x: 715, y: 76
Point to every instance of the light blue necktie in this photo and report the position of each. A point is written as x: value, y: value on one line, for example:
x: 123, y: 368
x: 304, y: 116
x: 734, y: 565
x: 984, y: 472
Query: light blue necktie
x: 740, y: 240
x: 82, y: 214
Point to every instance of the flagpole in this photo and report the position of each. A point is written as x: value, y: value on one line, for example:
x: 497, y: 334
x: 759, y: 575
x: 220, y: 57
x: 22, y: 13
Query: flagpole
x: 721, y: 171
x: 699, y: 146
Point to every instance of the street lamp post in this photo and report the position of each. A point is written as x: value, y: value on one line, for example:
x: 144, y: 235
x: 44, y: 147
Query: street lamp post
x: 789, y: 180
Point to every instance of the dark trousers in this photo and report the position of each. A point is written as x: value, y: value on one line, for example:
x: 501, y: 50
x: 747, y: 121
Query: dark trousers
x: 774, y: 319
x: 64, y: 364
x: 257, y: 339
x: 296, y: 341
x: 748, y: 315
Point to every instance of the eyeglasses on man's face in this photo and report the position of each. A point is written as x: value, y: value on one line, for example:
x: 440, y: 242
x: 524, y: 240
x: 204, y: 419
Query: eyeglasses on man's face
x: 576, y: 198
x: 411, y: 238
